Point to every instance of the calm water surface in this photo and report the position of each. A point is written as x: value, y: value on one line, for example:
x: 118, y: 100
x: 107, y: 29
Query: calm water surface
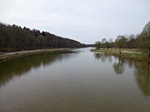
x: 80, y: 81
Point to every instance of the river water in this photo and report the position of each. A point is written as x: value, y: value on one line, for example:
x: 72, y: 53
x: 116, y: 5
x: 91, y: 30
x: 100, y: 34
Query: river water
x: 77, y: 81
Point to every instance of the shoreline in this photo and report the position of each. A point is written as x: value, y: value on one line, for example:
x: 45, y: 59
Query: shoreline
x: 12, y: 55
x: 139, y: 56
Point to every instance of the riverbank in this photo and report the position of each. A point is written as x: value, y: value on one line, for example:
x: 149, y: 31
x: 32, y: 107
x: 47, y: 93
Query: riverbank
x: 11, y: 55
x: 135, y: 54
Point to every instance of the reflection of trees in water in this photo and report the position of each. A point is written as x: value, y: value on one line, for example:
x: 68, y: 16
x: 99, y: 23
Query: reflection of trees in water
x: 98, y: 55
x: 119, y: 67
x: 20, y: 66
x: 141, y: 70
x: 103, y: 57
x: 142, y: 73
x: 110, y: 58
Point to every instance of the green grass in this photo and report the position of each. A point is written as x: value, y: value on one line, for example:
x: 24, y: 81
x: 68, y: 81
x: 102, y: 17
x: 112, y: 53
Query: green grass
x: 136, y: 54
x: 5, y: 56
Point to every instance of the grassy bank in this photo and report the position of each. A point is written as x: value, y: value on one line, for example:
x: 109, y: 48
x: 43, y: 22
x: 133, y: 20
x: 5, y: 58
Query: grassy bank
x: 136, y: 54
x: 12, y: 55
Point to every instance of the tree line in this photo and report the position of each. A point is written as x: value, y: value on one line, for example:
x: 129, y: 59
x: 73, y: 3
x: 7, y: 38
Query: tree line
x: 140, y: 41
x: 16, y: 38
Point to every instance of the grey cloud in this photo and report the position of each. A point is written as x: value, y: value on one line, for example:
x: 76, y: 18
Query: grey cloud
x: 83, y: 20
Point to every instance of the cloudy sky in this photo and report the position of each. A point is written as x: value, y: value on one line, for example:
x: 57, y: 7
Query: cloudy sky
x: 84, y: 20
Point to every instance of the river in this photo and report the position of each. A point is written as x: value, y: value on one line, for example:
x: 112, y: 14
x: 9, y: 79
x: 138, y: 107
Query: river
x: 76, y: 81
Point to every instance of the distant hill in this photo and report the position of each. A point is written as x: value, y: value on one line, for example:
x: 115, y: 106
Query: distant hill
x: 90, y: 45
x: 15, y: 38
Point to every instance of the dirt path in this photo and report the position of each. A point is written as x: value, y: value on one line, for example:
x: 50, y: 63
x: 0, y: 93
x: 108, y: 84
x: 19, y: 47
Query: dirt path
x: 132, y: 52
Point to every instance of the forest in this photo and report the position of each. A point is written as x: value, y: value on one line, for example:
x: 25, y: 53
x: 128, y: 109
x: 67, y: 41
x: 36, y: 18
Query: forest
x: 139, y: 41
x: 16, y: 38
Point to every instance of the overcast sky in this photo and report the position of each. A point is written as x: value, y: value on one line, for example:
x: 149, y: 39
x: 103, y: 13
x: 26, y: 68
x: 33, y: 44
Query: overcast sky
x: 84, y: 20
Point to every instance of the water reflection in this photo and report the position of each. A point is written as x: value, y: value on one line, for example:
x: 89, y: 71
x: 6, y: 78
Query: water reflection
x: 141, y: 70
x: 21, y: 66
x: 119, y: 67
x: 102, y: 57
x: 142, y: 74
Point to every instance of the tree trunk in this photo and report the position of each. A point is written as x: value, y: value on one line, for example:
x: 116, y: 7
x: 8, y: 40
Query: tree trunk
x: 120, y: 50
x: 149, y: 52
